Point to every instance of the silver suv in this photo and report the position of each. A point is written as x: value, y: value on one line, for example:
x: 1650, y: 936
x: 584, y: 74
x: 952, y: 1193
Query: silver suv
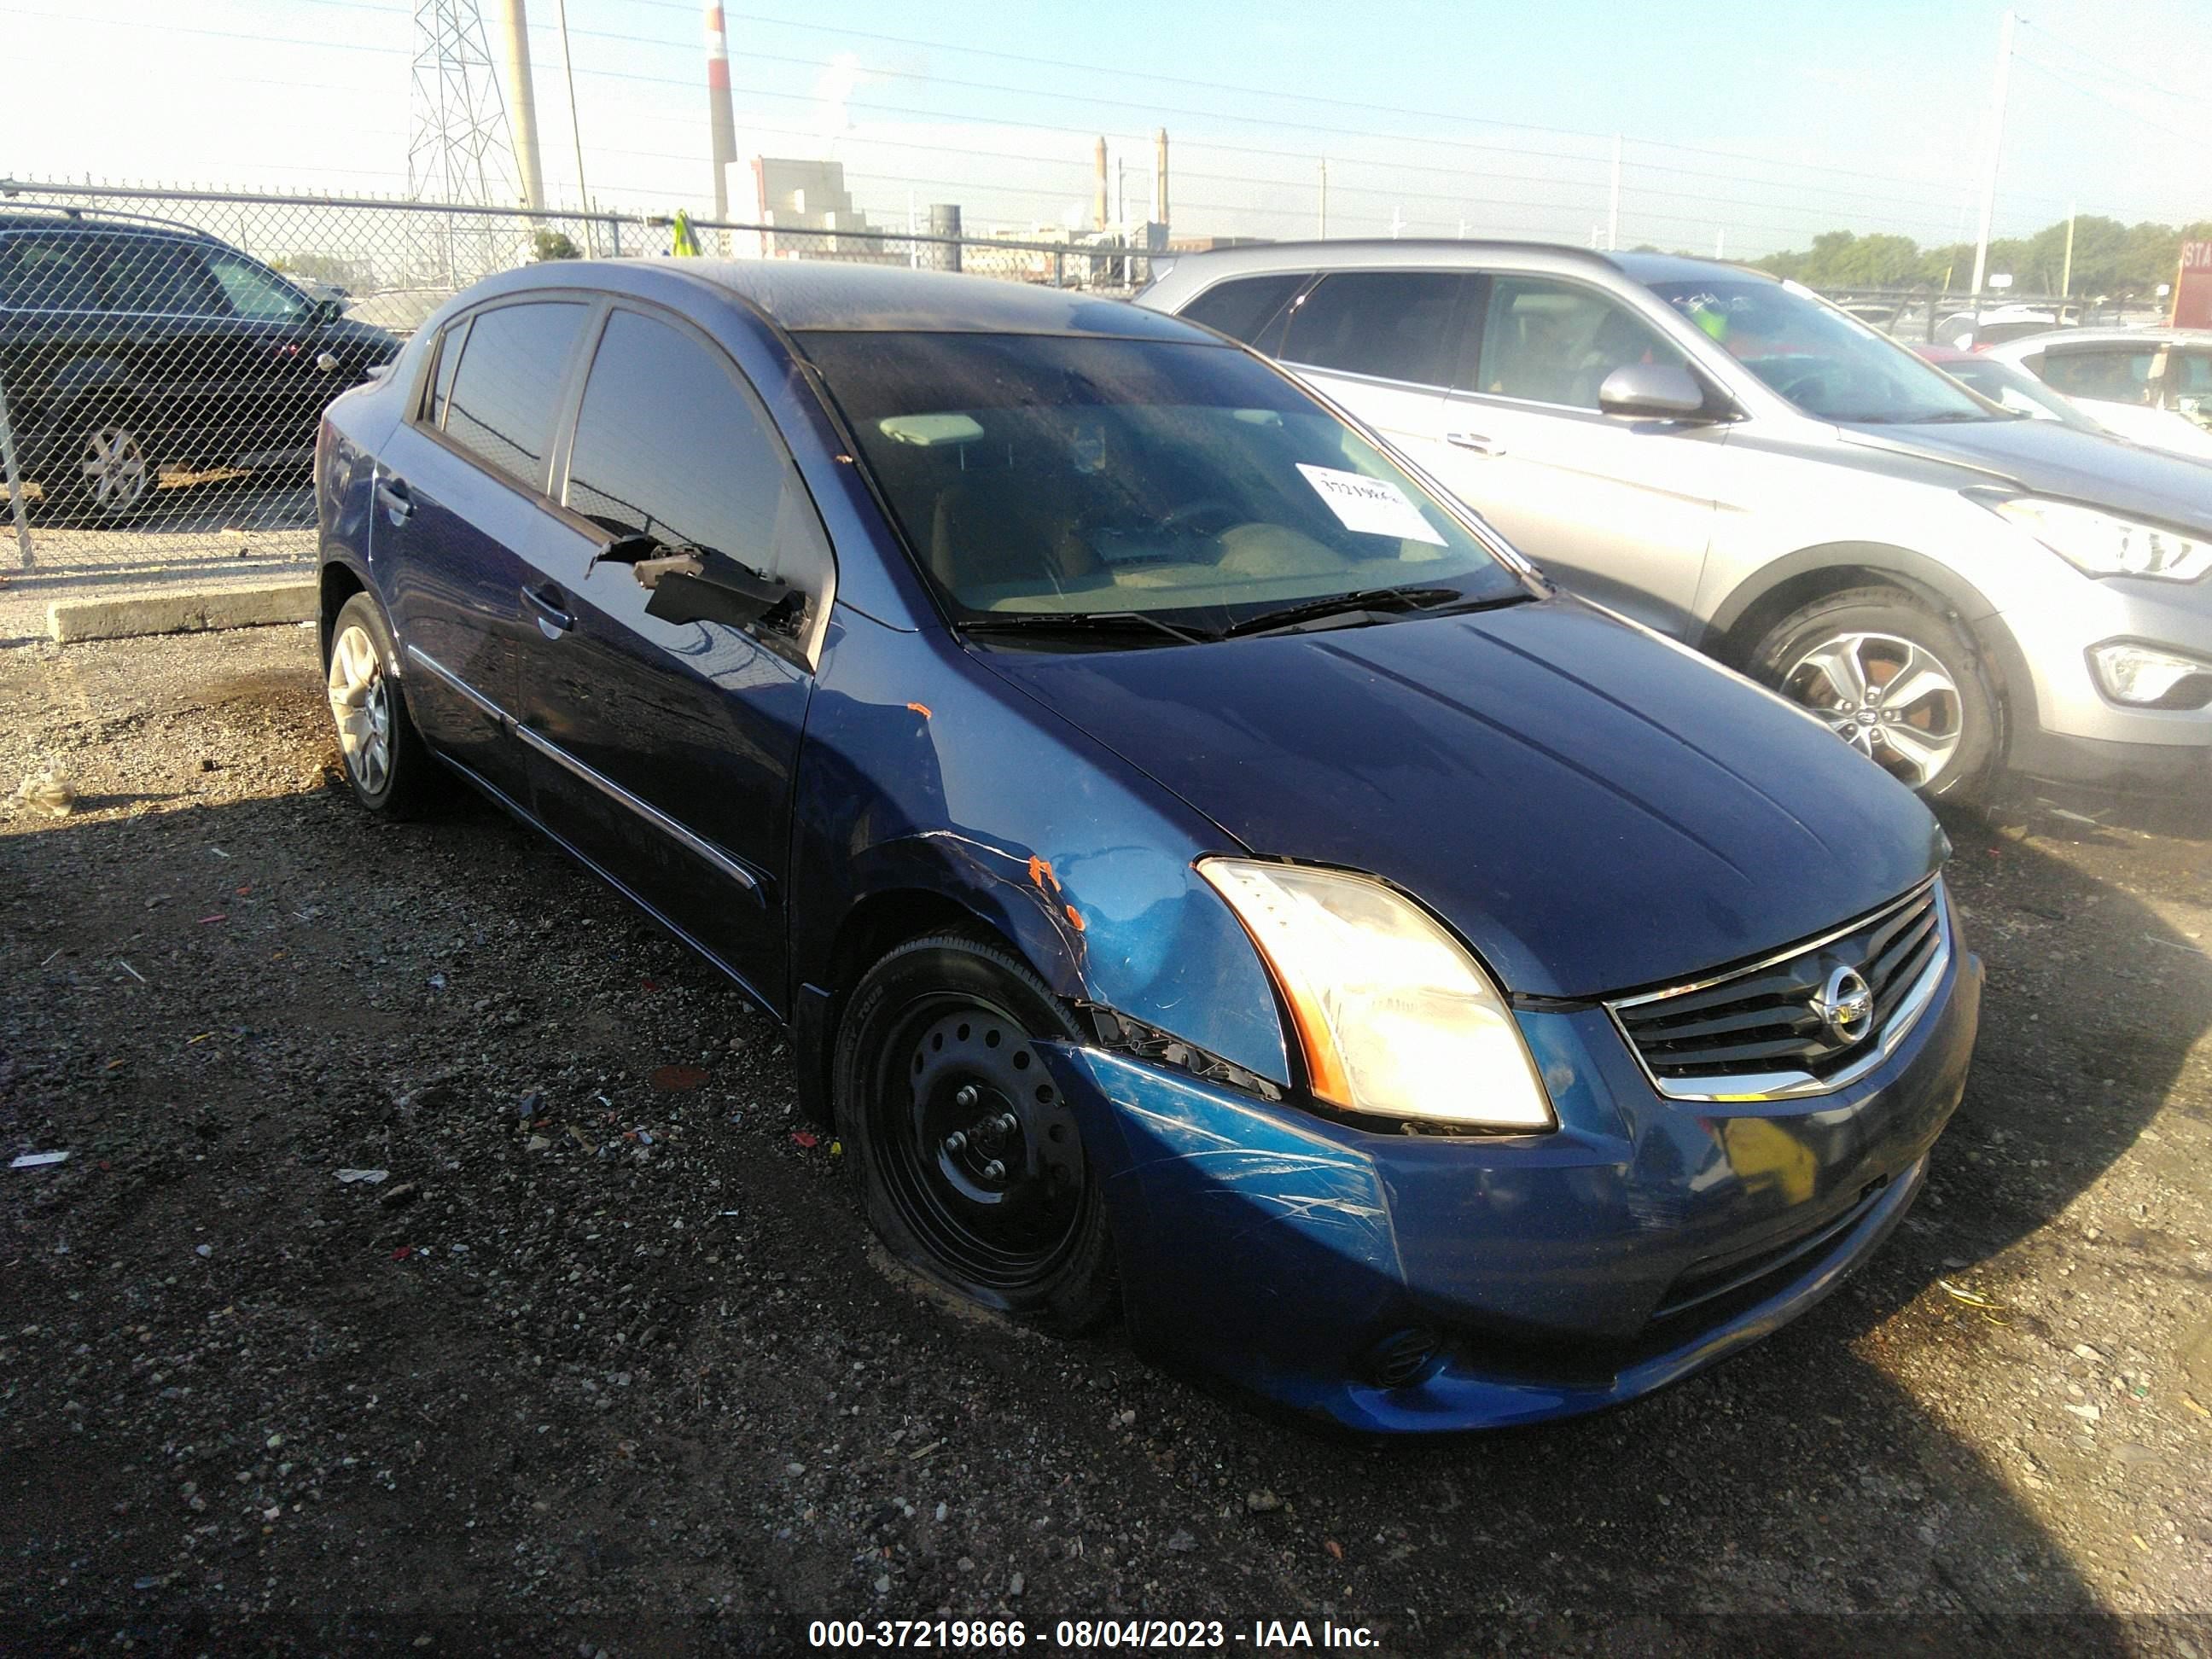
x: 1955, y: 590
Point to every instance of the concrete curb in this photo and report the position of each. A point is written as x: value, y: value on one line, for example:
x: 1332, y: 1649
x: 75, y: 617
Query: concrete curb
x: 183, y: 610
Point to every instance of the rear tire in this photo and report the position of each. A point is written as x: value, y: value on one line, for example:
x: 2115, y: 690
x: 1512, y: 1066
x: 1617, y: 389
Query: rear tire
x: 103, y: 472
x: 1897, y: 680
x: 971, y: 1166
x: 389, y: 766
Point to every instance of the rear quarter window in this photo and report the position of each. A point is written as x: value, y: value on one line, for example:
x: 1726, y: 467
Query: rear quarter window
x: 1243, y: 306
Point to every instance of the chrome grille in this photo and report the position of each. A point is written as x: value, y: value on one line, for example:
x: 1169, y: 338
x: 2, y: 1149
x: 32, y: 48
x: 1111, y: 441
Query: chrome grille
x: 1758, y: 1031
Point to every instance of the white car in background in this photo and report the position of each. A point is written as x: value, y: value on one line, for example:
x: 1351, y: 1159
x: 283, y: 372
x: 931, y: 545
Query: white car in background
x: 2153, y: 385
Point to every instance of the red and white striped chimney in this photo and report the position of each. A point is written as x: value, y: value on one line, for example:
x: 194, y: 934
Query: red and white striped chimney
x: 720, y: 120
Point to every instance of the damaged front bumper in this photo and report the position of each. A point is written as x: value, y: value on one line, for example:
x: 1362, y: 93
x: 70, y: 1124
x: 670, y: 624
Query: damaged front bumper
x: 1400, y: 1282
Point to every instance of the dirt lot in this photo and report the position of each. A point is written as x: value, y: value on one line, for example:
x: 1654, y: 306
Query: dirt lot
x: 604, y: 1365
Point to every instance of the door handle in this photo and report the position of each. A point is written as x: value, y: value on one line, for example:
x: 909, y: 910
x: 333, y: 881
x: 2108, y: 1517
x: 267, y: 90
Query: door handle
x: 554, y: 617
x: 1475, y: 441
x: 392, y: 496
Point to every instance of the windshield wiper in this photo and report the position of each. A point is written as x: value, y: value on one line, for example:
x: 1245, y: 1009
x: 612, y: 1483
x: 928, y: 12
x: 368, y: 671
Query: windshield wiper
x: 1950, y: 414
x: 1083, y: 622
x: 1290, y: 619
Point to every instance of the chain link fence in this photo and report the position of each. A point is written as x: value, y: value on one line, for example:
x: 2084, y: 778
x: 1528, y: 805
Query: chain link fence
x: 165, y: 355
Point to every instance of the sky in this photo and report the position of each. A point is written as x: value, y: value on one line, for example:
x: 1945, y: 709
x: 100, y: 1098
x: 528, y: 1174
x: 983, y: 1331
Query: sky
x: 1742, y: 127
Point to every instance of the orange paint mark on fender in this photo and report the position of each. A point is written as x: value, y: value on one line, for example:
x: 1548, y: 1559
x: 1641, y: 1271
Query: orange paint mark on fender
x: 1074, y: 916
x: 1041, y: 872
x: 921, y: 709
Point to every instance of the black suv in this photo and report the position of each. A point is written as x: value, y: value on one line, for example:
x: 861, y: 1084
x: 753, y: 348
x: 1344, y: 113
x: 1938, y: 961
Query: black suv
x: 127, y: 346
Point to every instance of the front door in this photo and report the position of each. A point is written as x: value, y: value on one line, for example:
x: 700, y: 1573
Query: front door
x: 1620, y: 510
x: 664, y: 751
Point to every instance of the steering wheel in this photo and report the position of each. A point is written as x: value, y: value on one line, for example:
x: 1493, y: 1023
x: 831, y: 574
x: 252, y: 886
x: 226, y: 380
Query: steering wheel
x: 1191, y: 517
x: 1806, y: 387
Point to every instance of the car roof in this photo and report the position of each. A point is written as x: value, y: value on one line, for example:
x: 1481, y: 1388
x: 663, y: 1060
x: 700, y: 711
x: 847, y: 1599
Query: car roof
x: 1936, y: 352
x: 15, y: 219
x: 1374, y: 254
x: 819, y: 296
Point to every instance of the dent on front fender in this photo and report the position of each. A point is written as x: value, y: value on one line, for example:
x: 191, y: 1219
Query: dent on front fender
x: 920, y: 776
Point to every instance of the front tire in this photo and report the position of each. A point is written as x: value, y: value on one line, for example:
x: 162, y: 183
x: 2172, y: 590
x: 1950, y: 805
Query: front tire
x: 971, y: 1165
x: 391, y: 770
x: 1899, y: 681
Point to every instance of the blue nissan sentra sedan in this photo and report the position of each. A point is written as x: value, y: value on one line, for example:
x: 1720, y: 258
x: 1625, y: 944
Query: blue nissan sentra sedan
x: 1206, y: 876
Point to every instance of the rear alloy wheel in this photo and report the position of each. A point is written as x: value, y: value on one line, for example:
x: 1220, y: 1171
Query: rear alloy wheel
x: 1898, y: 683
x: 385, y: 762
x: 971, y: 1162
x: 107, y: 470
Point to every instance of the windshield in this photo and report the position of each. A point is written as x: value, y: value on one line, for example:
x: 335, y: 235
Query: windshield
x: 1089, y: 476
x: 1830, y: 365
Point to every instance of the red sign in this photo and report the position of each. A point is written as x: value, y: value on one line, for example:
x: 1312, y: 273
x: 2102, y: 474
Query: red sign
x: 2192, y: 288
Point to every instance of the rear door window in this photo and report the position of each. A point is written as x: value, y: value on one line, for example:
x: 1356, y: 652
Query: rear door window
x: 671, y: 444
x: 155, y: 276
x: 1549, y: 341
x: 48, y: 273
x: 1243, y: 308
x: 2117, y: 375
x: 1394, y: 324
x: 507, y: 387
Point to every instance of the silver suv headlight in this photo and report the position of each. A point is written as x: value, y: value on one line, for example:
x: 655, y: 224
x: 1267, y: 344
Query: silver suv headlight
x: 1394, y: 1017
x: 2102, y: 544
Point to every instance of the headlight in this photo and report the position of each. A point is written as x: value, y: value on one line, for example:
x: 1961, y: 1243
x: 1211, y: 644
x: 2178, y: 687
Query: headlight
x: 2102, y: 545
x: 2144, y: 676
x: 1394, y: 1017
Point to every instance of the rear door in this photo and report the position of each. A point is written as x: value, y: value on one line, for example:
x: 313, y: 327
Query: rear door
x: 1621, y: 510
x: 664, y: 751
x: 184, y: 344
x: 464, y: 523
x: 1382, y: 343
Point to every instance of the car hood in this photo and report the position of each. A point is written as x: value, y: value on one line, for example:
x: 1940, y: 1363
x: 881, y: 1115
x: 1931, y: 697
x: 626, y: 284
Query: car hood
x: 1592, y: 806
x: 2050, y: 459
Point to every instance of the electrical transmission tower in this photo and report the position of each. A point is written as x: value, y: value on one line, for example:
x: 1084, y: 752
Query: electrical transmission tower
x: 459, y: 148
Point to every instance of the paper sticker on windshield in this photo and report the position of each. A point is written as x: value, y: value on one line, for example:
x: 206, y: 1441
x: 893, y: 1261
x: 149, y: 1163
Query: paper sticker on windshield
x: 1372, y: 506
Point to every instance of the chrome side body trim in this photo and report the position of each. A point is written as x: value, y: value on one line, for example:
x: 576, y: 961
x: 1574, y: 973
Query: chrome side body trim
x: 653, y: 815
x: 415, y: 653
x: 1795, y: 1084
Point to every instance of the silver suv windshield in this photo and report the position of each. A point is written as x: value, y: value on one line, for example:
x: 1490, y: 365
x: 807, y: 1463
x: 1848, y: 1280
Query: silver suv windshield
x: 1148, y: 481
x: 1829, y: 364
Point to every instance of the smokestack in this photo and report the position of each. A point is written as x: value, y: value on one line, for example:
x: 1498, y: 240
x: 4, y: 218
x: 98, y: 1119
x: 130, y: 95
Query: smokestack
x: 1098, y: 211
x: 522, y: 102
x: 719, y: 119
x: 1160, y: 176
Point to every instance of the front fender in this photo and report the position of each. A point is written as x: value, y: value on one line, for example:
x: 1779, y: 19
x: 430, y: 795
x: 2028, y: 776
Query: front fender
x: 920, y: 774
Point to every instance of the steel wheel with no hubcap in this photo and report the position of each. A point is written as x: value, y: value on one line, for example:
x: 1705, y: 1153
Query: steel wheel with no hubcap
x: 980, y: 1152
x: 1892, y: 700
x: 360, y: 703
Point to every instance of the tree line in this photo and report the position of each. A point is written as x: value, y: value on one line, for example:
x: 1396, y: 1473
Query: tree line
x: 2111, y: 259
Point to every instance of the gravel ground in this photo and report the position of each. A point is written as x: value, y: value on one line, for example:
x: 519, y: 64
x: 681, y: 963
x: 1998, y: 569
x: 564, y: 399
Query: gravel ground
x: 606, y: 1361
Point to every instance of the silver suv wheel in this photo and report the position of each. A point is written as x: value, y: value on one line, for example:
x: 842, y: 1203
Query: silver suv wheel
x: 1888, y: 698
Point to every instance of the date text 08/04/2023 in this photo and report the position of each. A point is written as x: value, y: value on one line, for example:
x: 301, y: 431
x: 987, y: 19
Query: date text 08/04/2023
x: 1087, y: 1634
